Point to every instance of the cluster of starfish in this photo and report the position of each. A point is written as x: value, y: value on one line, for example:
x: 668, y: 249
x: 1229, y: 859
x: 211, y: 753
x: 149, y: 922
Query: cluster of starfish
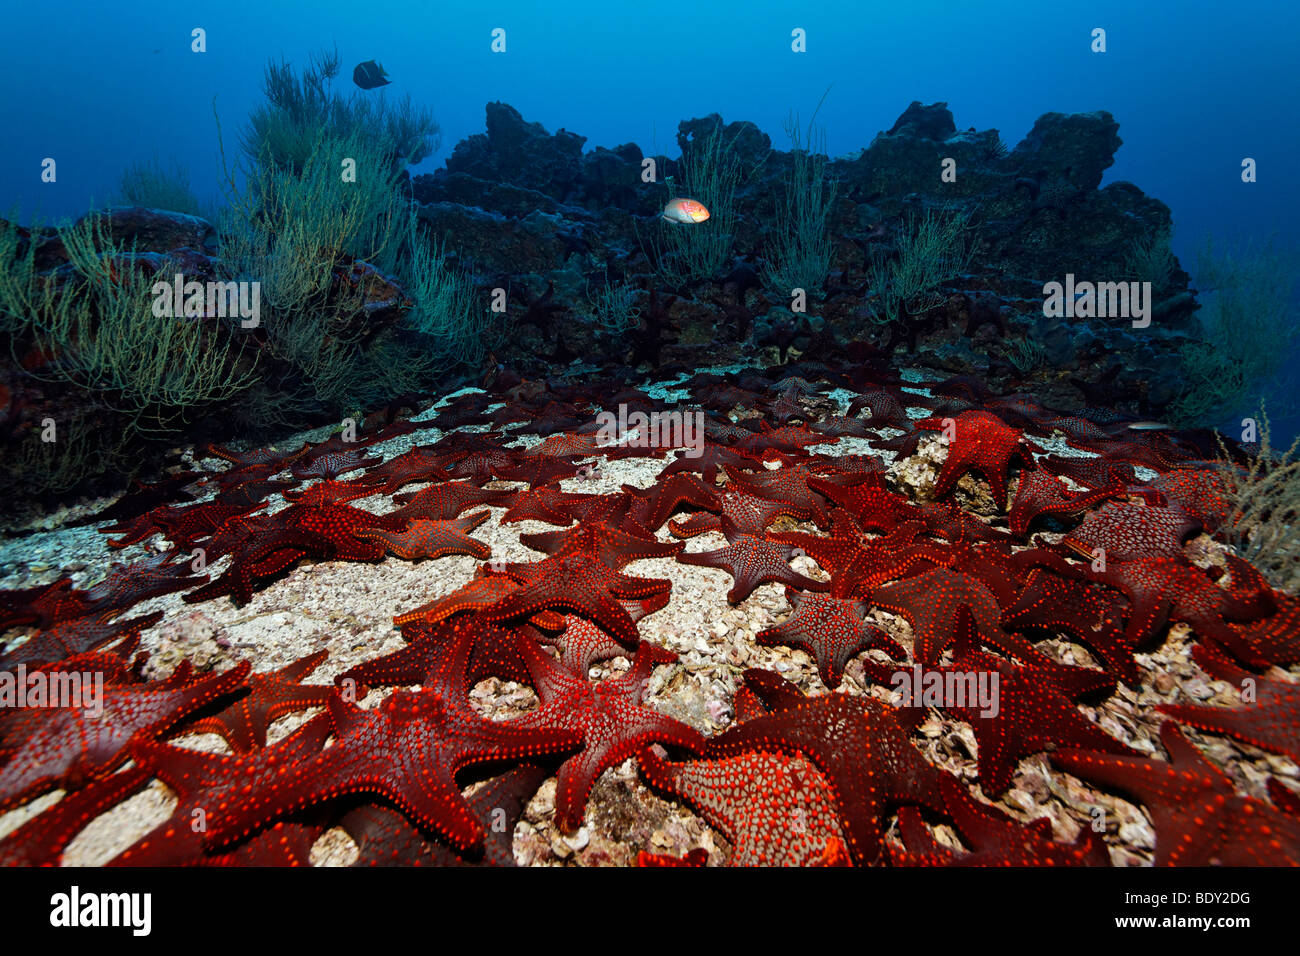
x: 919, y: 591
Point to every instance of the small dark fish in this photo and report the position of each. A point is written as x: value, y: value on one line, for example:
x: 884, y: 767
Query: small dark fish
x: 370, y: 74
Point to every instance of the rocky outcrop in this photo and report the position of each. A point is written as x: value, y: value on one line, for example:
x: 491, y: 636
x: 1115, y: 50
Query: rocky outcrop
x: 517, y: 200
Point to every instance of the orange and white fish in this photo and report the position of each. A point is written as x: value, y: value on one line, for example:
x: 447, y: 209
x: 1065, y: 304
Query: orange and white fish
x: 685, y: 211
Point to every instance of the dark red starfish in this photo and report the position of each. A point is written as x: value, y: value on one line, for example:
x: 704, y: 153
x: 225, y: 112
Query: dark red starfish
x: 657, y: 506
x: 495, y: 653
x: 1032, y: 709
x: 1161, y: 589
x: 425, y: 538
x: 610, y: 544
x: 209, y: 788
x: 609, y: 716
x: 262, y: 559
x: 41, y: 840
x: 1273, y: 640
x: 407, y: 750
x: 832, y: 630
x: 1199, y: 818
x: 994, y: 838
x: 580, y: 584
x: 70, y: 746
x: 982, y: 441
x: 386, y: 838
x: 446, y: 500
x: 1042, y: 493
x: 873, y: 506
x: 1123, y: 532
x: 746, y: 512
x: 751, y: 561
x: 484, y: 589
x: 76, y: 636
x: 1090, y: 614
x: 1271, y: 722
x: 418, y: 464
x: 931, y: 602
x: 856, y: 742
x: 270, y: 696
x: 788, y: 485
x: 775, y: 809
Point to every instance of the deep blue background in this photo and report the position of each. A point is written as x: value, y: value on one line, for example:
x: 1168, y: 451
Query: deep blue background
x: 1195, y: 85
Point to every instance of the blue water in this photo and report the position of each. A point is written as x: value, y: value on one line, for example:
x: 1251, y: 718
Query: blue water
x: 1195, y: 85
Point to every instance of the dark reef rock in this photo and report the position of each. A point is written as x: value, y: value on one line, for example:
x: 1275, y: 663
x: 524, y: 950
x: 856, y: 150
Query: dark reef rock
x: 520, y: 201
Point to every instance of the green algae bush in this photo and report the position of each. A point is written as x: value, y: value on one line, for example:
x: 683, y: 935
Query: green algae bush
x: 933, y: 249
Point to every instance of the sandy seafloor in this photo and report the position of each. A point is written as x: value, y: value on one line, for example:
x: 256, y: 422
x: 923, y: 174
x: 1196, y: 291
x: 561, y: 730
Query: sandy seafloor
x: 347, y: 608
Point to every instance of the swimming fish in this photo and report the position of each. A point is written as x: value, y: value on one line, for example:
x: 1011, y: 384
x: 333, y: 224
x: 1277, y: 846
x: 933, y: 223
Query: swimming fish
x: 370, y: 74
x: 685, y: 210
x: 1149, y: 427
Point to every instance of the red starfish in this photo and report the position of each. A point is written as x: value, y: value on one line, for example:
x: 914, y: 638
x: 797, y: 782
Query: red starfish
x: 495, y: 653
x: 873, y: 506
x: 270, y: 696
x: 408, y: 750
x: 565, y: 446
x: 775, y: 809
x: 789, y: 485
x: 1272, y: 723
x: 184, y: 527
x: 128, y: 584
x: 484, y: 589
x: 746, y: 512
x: 1032, y: 710
x: 1274, y: 640
x: 1042, y: 493
x: 41, y: 840
x: 263, y: 558
x: 858, y: 563
x: 578, y: 583
x: 386, y: 838
x: 76, y: 636
x: 609, y: 716
x: 446, y: 500
x: 1199, y: 491
x: 981, y: 441
x: 425, y: 538
x: 547, y: 504
x: 70, y: 746
x: 209, y: 787
x: 611, y: 545
x: 751, y: 561
x: 1124, y: 532
x: 1090, y: 614
x: 330, y: 493
x: 584, y: 643
x: 953, y: 524
x: 995, y: 839
x: 418, y: 464
x: 1198, y: 817
x: 43, y: 606
x: 332, y: 464
x: 1164, y: 588
x: 832, y: 630
x: 658, y: 505
x: 856, y: 742
x: 338, y: 524
x: 707, y: 463
x: 932, y: 601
